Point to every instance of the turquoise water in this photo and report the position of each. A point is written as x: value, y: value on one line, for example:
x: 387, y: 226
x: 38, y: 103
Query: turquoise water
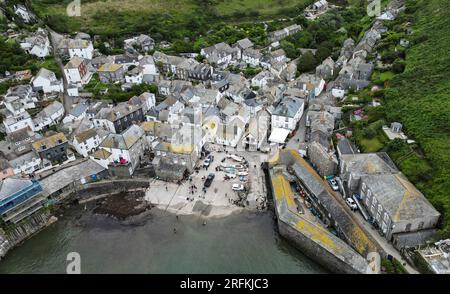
x: 241, y: 243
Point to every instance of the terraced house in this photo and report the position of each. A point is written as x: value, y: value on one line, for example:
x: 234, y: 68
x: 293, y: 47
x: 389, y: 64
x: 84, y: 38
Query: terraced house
x: 117, y: 119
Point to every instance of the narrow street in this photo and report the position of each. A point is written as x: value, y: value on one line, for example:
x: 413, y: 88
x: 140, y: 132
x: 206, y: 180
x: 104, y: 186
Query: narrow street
x: 55, y: 39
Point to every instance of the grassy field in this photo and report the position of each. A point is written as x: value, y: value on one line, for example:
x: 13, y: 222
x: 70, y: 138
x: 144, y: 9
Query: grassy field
x: 263, y: 7
x: 420, y: 99
x: 117, y: 16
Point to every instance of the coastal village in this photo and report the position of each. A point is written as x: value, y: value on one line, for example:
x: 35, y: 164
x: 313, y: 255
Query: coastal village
x: 208, y: 141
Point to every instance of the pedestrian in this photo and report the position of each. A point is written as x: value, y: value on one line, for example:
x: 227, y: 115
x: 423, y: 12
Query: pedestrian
x: 177, y: 216
x: 174, y: 230
x: 167, y: 189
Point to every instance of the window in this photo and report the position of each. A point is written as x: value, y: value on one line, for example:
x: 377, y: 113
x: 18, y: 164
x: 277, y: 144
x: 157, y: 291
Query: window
x: 420, y: 225
x: 408, y: 228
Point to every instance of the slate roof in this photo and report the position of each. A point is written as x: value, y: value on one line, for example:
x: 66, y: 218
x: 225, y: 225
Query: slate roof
x: 399, y: 197
x: 244, y: 43
x: 78, y: 110
x: 125, y: 140
x: 288, y: 107
x: 49, y: 142
x: 9, y: 186
x: 85, y: 135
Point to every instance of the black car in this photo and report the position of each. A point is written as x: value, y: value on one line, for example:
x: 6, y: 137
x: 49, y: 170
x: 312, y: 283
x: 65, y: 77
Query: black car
x: 209, y: 180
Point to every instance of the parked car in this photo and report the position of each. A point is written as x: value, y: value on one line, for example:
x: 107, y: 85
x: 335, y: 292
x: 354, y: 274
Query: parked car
x: 237, y: 187
x: 334, y: 185
x: 243, y: 178
x: 242, y: 173
x: 351, y: 203
x: 209, y: 180
x: 231, y: 176
x: 207, y: 162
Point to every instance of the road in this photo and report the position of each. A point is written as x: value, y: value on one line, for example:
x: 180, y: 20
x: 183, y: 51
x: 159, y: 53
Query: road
x: 300, y: 135
x: 56, y: 39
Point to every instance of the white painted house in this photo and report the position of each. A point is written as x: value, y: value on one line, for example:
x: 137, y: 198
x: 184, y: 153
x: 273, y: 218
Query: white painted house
x: 288, y: 113
x: 26, y: 163
x: 18, y: 122
x: 77, y: 113
x: 18, y: 99
x: 38, y: 44
x: 50, y: 115
x: 86, y: 141
x: 147, y: 100
x: 76, y: 71
x: 81, y: 48
x: 252, y: 56
x: 46, y: 81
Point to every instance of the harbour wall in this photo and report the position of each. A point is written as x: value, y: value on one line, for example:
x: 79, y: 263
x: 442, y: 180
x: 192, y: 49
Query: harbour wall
x: 314, y: 251
x: 24, y: 230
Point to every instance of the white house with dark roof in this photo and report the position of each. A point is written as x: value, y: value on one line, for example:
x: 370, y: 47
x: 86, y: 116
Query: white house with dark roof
x: 251, y: 56
x: 46, y: 81
x: 86, y: 141
x: 77, y: 72
x: 243, y: 45
x: 50, y: 115
x: 146, y: 100
x: 149, y: 71
x: 27, y: 163
x: 18, y: 122
x: 81, y: 48
x: 126, y: 148
x: 221, y: 54
x: 77, y: 113
x: 18, y: 99
x: 37, y: 44
x: 288, y: 113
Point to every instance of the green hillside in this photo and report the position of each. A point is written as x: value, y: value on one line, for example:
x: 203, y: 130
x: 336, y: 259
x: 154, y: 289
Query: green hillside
x: 420, y: 99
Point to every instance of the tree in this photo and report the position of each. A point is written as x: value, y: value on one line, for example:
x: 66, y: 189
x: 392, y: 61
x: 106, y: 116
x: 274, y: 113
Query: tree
x: 290, y: 49
x: 307, y: 62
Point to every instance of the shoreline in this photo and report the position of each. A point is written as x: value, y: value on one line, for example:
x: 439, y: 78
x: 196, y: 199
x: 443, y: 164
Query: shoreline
x: 140, y: 218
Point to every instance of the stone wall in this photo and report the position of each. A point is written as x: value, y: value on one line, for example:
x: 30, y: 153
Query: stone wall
x: 106, y: 187
x: 24, y: 230
x: 317, y: 253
